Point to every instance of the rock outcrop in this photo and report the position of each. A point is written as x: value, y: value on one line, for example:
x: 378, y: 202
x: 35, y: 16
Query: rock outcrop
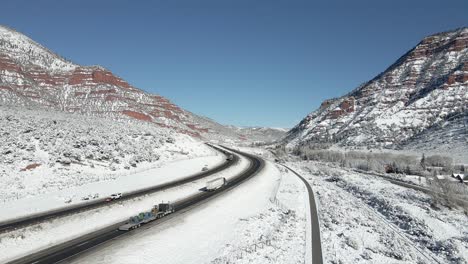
x: 32, y: 75
x: 425, y: 87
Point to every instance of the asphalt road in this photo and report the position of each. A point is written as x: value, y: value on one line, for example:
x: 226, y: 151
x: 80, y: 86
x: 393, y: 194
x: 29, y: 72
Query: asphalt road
x: 60, y: 212
x: 90, y: 241
x: 316, y: 243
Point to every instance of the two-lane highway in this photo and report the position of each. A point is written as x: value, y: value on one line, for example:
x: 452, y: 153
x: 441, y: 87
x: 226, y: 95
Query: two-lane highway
x: 316, y: 244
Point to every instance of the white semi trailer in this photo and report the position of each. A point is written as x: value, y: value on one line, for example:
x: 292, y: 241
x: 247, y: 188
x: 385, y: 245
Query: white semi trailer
x: 215, y: 184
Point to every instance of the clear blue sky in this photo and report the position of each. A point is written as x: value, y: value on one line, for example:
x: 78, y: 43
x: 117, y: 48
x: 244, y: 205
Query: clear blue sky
x: 241, y: 62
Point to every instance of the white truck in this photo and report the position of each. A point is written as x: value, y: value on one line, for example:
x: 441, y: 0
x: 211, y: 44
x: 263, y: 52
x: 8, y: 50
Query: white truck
x: 215, y: 184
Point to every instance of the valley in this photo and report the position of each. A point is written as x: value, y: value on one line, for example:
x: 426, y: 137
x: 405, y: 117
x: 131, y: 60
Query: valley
x: 96, y: 170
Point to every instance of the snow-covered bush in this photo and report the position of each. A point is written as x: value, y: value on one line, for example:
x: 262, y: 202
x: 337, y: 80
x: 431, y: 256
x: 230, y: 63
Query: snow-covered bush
x: 65, y: 145
x: 371, y: 161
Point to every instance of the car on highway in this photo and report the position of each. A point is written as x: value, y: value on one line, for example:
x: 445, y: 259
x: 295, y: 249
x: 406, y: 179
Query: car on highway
x: 114, y: 196
x: 205, y: 168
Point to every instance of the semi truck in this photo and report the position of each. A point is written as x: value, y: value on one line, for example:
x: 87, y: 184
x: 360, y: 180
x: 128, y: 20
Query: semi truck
x: 215, y: 184
x: 156, y: 212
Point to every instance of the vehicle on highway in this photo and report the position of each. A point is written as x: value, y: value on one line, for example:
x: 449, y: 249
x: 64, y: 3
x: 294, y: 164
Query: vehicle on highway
x: 230, y: 157
x: 205, y: 168
x: 90, y: 196
x: 114, y: 196
x: 156, y: 212
x: 215, y: 184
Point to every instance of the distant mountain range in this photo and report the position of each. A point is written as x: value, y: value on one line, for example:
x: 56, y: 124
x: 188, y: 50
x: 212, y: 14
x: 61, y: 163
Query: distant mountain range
x: 260, y: 134
x: 423, y: 92
x: 32, y: 75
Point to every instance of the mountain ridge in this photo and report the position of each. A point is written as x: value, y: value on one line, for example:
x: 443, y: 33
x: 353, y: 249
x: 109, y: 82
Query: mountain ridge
x: 31, y: 74
x: 420, y: 89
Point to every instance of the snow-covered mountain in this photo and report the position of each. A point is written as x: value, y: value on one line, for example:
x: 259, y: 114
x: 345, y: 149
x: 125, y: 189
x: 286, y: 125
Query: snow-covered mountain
x: 449, y: 138
x: 31, y: 75
x: 423, y: 89
x: 260, y: 134
x: 44, y: 150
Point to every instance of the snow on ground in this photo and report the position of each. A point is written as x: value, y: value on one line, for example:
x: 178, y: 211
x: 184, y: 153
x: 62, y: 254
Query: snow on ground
x: 241, y: 226
x: 261, y: 152
x: 20, y: 242
x: 365, y: 219
x: 44, y: 151
x: 29, y: 52
x: 137, y: 181
x: 281, y: 228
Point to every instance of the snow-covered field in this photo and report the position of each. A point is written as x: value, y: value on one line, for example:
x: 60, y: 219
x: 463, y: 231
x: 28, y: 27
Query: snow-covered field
x: 241, y: 226
x: 50, y: 160
x: 20, y: 242
x: 75, y: 195
x: 365, y: 219
x: 44, y: 151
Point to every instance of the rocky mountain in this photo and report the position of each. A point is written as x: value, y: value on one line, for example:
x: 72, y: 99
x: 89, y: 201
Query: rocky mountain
x: 426, y: 88
x: 32, y: 75
x: 449, y: 138
x: 260, y: 134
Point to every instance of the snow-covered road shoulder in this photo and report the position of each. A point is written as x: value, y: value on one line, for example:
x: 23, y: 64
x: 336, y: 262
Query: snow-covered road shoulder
x: 133, y: 182
x: 241, y: 226
x: 370, y: 220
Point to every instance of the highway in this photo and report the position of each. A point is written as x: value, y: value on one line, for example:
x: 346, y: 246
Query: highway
x: 90, y: 241
x: 315, y: 224
x: 68, y: 210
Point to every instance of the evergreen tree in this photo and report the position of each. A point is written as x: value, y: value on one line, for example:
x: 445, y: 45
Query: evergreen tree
x: 423, y: 162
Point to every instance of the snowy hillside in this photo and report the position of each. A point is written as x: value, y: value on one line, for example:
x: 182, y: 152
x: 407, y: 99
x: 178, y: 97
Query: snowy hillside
x: 449, y: 138
x: 260, y: 134
x: 424, y: 88
x: 43, y: 150
x: 29, y: 53
x: 32, y: 75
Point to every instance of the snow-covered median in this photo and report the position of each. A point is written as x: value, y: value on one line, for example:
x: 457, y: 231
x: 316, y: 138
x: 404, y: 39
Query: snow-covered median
x: 23, y: 241
x: 129, y: 183
x: 241, y: 226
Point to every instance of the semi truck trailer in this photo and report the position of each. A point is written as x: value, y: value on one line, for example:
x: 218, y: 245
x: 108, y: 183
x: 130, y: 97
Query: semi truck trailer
x: 156, y: 212
x: 215, y: 184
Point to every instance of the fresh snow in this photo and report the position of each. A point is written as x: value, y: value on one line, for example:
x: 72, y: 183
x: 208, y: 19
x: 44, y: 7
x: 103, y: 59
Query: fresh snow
x: 241, y: 226
x: 420, y: 91
x: 137, y: 181
x: 25, y: 49
x: 73, y: 150
x: 21, y: 242
x: 366, y: 219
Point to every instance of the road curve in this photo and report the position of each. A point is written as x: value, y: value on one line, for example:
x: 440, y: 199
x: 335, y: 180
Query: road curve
x: 84, y: 243
x: 64, y: 211
x: 315, y: 232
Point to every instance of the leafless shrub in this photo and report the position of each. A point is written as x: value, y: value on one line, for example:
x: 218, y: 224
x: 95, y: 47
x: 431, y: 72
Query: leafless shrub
x: 439, y: 161
x: 368, y: 161
x: 446, y: 192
